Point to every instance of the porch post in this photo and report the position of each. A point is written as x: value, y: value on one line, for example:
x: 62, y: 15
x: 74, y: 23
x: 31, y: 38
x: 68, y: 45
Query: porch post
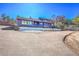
x: 43, y: 24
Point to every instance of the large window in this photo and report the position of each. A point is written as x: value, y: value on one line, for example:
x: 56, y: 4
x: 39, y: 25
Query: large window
x: 29, y: 22
x: 23, y: 22
x: 26, y: 22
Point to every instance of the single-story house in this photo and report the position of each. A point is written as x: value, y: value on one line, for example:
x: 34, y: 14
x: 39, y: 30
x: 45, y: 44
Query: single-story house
x: 33, y: 22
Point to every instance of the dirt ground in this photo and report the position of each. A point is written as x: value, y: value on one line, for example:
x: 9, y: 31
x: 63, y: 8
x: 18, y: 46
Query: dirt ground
x: 15, y: 43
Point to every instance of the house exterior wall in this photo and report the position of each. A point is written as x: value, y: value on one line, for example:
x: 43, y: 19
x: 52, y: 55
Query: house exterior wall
x: 29, y: 23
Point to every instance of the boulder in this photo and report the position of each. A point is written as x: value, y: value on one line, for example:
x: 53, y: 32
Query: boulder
x: 72, y: 41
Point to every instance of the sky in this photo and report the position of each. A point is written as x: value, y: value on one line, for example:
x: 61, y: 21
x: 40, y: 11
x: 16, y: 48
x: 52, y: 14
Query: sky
x: 35, y: 10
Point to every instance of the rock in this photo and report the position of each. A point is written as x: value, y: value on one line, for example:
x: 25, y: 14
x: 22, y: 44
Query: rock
x: 72, y: 41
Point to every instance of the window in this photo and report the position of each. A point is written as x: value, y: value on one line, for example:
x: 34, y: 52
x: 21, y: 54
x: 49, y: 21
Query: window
x: 23, y: 22
x: 29, y: 22
x: 26, y: 22
x: 41, y: 23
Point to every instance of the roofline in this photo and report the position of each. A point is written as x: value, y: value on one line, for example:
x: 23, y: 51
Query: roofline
x: 26, y: 19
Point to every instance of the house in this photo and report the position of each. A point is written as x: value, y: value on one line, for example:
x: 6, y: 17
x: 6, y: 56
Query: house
x: 33, y: 22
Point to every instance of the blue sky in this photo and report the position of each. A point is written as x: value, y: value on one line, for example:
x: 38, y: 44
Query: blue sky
x: 35, y: 10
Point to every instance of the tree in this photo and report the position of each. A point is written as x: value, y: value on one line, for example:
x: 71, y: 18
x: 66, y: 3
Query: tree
x: 43, y: 18
x: 18, y: 16
x: 13, y: 22
x: 30, y: 17
x: 3, y: 16
x: 76, y: 20
x: 7, y: 19
x: 61, y: 22
x: 53, y: 17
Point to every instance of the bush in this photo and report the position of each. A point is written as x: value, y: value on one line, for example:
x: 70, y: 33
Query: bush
x: 16, y: 28
x: 11, y: 28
